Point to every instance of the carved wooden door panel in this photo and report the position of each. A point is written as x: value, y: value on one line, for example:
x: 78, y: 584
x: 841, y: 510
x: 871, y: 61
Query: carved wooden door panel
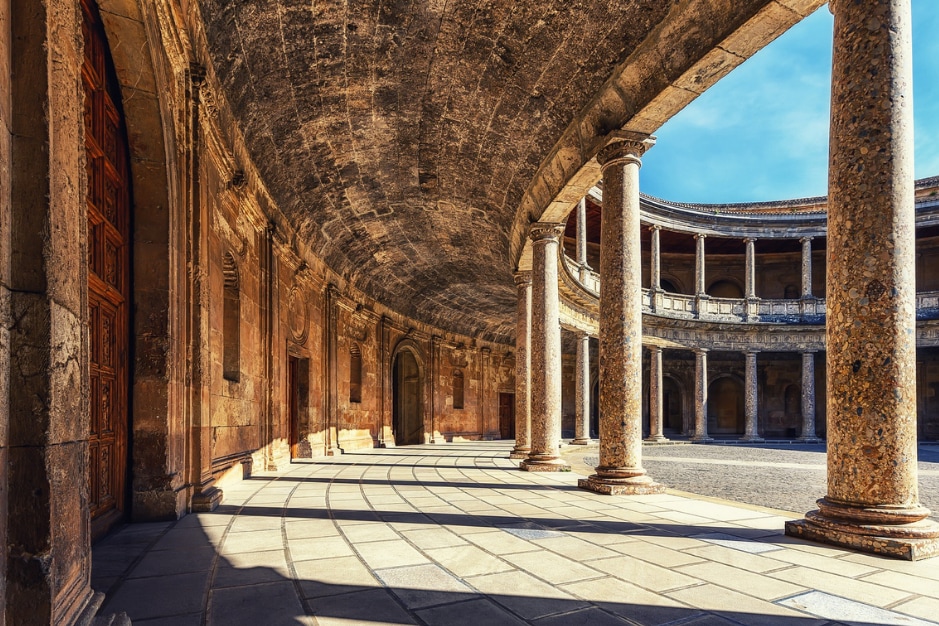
x: 108, y: 205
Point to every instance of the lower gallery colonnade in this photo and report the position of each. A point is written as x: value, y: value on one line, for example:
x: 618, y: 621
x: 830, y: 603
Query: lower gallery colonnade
x: 213, y: 266
x: 872, y: 502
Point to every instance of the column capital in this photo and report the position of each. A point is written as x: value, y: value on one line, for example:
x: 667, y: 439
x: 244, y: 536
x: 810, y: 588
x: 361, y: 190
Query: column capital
x: 751, y: 353
x: 806, y: 240
x: 582, y: 334
x: 700, y: 236
x: 701, y: 350
x: 805, y: 352
x: 749, y: 240
x: 655, y: 227
x: 523, y: 277
x: 624, y: 145
x: 546, y: 231
x: 654, y: 349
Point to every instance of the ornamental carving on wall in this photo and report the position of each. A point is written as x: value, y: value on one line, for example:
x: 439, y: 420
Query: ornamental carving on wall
x: 298, y: 316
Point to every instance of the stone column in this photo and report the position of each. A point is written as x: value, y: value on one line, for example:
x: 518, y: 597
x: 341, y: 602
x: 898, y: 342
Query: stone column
x: 751, y: 400
x: 582, y: 391
x: 655, y: 395
x: 873, y: 499
x: 701, y: 396
x: 582, y: 232
x: 700, y: 288
x: 808, y: 398
x: 545, y: 351
x: 522, y: 367
x: 806, y: 267
x: 620, y: 470
x: 750, y: 270
x: 656, y: 259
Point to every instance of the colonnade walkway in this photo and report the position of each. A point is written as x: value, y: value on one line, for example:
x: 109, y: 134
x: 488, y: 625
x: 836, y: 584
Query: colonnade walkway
x: 453, y: 534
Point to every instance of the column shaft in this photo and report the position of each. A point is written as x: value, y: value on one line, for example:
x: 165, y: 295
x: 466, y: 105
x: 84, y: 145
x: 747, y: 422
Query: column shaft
x: 582, y: 391
x: 545, y: 351
x: 701, y: 396
x: 806, y: 267
x: 750, y: 269
x: 582, y: 232
x: 655, y: 395
x: 522, y: 367
x: 620, y: 470
x: 873, y: 501
x: 808, y: 398
x: 751, y: 400
x: 656, y: 259
x: 700, y: 287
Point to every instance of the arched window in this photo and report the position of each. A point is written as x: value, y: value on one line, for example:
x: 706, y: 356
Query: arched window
x: 231, y: 325
x: 355, y: 373
x: 457, y: 389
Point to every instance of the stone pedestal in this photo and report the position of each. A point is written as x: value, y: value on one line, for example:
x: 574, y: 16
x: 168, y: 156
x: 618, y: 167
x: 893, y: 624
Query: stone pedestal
x: 701, y: 396
x: 582, y: 392
x: 522, y: 368
x: 873, y: 501
x: 545, y: 352
x: 620, y: 470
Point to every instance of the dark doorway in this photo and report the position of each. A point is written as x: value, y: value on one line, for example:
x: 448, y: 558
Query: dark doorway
x: 108, y: 209
x: 507, y: 415
x: 298, y: 401
x: 672, y: 406
x: 725, y: 407
x: 408, y: 418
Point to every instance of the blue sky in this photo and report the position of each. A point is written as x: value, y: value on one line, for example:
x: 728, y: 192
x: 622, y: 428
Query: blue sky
x: 761, y: 133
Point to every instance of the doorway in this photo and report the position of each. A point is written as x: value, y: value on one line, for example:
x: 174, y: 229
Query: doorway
x: 298, y: 402
x: 507, y: 415
x: 408, y: 420
x: 725, y: 407
x: 672, y: 406
x: 108, y: 212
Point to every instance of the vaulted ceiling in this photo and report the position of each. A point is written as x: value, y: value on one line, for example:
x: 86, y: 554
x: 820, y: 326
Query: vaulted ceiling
x: 411, y: 143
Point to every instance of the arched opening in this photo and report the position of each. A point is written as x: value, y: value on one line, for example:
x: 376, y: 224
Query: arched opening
x: 725, y: 289
x: 231, y: 320
x: 457, y: 389
x: 109, y: 270
x: 355, y: 373
x: 672, y: 400
x: 725, y: 407
x: 669, y: 286
x: 408, y: 421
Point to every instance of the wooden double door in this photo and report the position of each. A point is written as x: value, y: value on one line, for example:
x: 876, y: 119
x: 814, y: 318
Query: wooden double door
x: 108, y: 206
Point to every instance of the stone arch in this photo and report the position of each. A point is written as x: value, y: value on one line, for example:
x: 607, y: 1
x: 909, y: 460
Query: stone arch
x: 408, y: 382
x: 725, y: 287
x: 671, y: 284
x: 146, y: 107
x: 726, y: 405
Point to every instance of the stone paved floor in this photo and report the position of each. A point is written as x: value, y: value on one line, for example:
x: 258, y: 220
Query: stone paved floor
x: 454, y: 535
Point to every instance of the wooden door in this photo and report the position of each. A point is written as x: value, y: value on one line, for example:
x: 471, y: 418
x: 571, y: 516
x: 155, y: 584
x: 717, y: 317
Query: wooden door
x: 408, y: 418
x: 108, y: 204
x: 507, y: 415
x: 293, y: 404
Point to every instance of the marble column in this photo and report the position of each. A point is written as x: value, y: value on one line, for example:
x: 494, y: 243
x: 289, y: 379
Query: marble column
x: 582, y: 232
x: 701, y: 396
x: 545, y: 351
x: 808, y: 398
x: 620, y: 470
x: 751, y: 399
x: 655, y: 395
x: 656, y: 259
x: 806, y: 267
x: 582, y: 391
x: 522, y: 367
x: 872, y: 502
x: 750, y: 268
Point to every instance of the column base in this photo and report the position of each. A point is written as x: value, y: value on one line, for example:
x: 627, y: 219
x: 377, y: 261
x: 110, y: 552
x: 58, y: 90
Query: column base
x: 636, y: 486
x: 206, y: 501
x: 809, y: 440
x: 657, y: 439
x: 520, y: 453
x: 704, y: 439
x: 544, y: 464
x: 866, y: 538
x: 752, y: 439
x: 581, y: 442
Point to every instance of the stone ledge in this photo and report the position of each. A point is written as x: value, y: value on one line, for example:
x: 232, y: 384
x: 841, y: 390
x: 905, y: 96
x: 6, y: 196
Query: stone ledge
x: 620, y: 489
